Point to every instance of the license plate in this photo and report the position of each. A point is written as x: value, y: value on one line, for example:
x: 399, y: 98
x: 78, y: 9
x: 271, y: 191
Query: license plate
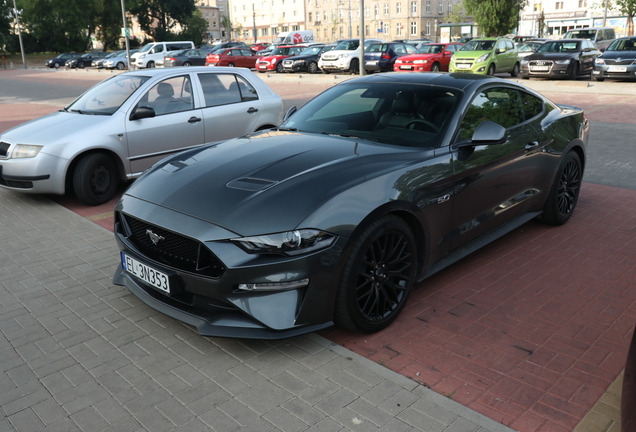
x: 539, y: 68
x: 617, y: 69
x: 147, y: 274
x: 463, y: 65
x: 406, y: 67
x: 372, y: 63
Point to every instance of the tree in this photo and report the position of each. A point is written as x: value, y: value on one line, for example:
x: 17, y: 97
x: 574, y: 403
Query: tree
x: 6, y: 13
x: 159, y: 18
x: 195, y: 28
x: 625, y: 7
x: 227, y: 25
x: 108, y: 24
x: 495, y: 17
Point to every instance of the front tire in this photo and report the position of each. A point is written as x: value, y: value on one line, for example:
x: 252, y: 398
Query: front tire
x: 435, y: 67
x: 312, y: 68
x: 354, y: 67
x: 186, y: 64
x: 491, y: 69
x: 95, y: 179
x: 515, y: 70
x: 230, y: 65
x: 80, y: 65
x: 120, y: 66
x: 280, y: 68
x: 377, y: 277
x: 564, y: 192
x: 150, y: 64
x: 574, y: 71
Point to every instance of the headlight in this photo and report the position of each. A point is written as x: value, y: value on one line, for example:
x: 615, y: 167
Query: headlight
x: 299, y: 62
x: 599, y: 61
x: 420, y: 61
x: 287, y: 243
x: 483, y: 58
x: 400, y: 61
x: 141, y: 56
x: 23, y: 151
x: 524, y: 61
x: 562, y: 62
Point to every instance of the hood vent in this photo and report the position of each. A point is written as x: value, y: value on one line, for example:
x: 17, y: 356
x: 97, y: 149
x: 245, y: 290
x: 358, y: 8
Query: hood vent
x: 250, y: 184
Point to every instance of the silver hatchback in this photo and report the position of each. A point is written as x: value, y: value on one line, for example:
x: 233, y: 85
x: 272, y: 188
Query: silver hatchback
x: 123, y: 125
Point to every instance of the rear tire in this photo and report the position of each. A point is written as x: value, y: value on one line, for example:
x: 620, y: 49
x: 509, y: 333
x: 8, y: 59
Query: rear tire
x: 80, y: 65
x: 95, y: 179
x: 564, y: 193
x: 515, y: 70
x: 230, y: 65
x: 120, y: 66
x: 377, y: 277
x: 187, y: 64
x: 280, y: 68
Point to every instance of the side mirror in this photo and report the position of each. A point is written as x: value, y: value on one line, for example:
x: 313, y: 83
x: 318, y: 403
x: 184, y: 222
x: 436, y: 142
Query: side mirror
x: 142, y: 112
x: 447, y: 53
x: 289, y: 113
x: 501, y: 50
x: 489, y: 132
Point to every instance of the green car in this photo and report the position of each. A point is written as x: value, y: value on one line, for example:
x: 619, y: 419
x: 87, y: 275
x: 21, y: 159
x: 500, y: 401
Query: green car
x: 486, y: 56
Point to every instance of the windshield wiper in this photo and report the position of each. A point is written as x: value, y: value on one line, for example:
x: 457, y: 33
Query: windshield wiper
x: 78, y: 111
x: 288, y: 129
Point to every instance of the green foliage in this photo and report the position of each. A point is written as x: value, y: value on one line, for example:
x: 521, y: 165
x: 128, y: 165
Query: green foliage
x: 194, y: 28
x: 158, y: 18
x: 6, y: 12
x: 495, y: 17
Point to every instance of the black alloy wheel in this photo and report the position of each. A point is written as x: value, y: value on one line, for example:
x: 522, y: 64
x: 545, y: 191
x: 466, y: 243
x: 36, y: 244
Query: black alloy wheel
x: 564, y: 193
x: 378, y: 276
x: 312, y: 68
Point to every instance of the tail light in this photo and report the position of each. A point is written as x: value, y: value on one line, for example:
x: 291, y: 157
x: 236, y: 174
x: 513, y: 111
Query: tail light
x: 170, y: 59
x: 386, y: 56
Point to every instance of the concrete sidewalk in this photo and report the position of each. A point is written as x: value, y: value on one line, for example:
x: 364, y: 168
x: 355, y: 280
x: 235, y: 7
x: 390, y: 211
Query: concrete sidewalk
x: 80, y: 354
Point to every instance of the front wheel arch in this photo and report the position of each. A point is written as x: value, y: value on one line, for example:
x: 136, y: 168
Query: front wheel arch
x: 68, y: 179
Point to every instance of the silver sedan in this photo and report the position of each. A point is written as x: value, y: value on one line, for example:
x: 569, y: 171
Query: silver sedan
x: 123, y: 125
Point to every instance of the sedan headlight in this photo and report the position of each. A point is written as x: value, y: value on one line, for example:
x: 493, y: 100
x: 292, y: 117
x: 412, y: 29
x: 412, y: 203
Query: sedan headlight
x: 420, y: 61
x: 524, y: 61
x: 599, y: 60
x: 294, y: 242
x: 23, y: 151
x: 562, y: 62
x: 483, y: 58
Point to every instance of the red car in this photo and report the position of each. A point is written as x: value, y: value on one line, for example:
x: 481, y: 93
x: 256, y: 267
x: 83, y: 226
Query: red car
x: 433, y: 57
x: 259, y: 46
x: 272, y: 62
x: 236, y: 56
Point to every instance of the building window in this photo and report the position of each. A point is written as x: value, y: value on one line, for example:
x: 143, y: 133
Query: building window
x: 413, y: 28
x: 413, y: 7
x: 309, y: 15
x: 582, y: 4
x: 450, y: 8
x: 428, y: 6
x: 440, y: 8
x: 387, y: 28
x: 559, y: 5
x: 366, y: 30
x: 367, y: 11
x: 386, y: 8
x: 376, y: 10
x: 428, y: 28
x: 295, y: 28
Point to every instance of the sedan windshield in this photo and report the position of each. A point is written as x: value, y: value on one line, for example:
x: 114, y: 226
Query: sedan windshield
x: 479, y: 45
x: 558, y: 46
x: 106, y: 97
x: 399, y: 114
x: 430, y: 49
x: 312, y: 50
x: 623, y: 45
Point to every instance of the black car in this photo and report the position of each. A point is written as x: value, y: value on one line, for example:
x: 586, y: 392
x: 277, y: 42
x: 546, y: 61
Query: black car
x: 85, y: 60
x: 372, y: 186
x: 562, y: 58
x: 306, y: 61
x: 186, y: 57
x: 618, y: 61
x: 380, y: 57
x: 61, y: 59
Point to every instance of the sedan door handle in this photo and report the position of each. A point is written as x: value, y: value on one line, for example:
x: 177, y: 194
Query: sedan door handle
x: 532, y: 145
x: 252, y: 110
x: 194, y: 120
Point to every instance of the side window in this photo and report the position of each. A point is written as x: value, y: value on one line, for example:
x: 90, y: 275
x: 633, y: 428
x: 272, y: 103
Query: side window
x: 498, y: 104
x: 157, y: 48
x: 532, y: 105
x: 223, y: 89
x: 170, y: 96
x: 510, y: 45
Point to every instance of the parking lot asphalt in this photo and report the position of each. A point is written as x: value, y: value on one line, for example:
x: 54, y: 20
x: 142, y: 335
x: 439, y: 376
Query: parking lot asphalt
x: 527, y: 334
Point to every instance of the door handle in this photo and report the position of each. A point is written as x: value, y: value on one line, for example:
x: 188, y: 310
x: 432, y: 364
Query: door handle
x: 532, y: 145
x: 252, y: 110
x: 194, y: 119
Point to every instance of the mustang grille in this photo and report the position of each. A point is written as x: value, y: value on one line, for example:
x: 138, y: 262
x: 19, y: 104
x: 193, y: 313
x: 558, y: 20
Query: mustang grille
x: 172, y: 249
x: 4, y: 148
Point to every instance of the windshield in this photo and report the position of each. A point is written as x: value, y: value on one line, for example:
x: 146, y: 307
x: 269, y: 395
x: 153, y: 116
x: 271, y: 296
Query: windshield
x: 397, y: 114
x: 623, y: 45
x: 430, y: 49
x: 348, y: 46
x: 106, y: 97
x: 580, y: 34
x: 312, y: 50
x: 479, y: 45
x: 280, y: 51
x: 146, y: 47
x: 558, y: 47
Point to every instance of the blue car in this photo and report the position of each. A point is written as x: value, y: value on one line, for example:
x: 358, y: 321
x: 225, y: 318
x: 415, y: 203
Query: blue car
x: 380, y: 57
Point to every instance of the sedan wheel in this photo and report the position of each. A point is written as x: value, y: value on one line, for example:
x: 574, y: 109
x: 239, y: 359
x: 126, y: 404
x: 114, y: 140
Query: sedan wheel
x: 515, y: 70
x: 187, y: 64
x: 564, y: 193
x: 230, y: 65
x: 280, y: 68
x: 313, y: 68
x: 80, y: 65
x: 378, y: 276
x: 95, y: 179
x: 574, y: 71
x: 354, y: 67
x: 120, y: 66
x: 435, y: 67
x: 491, y: 69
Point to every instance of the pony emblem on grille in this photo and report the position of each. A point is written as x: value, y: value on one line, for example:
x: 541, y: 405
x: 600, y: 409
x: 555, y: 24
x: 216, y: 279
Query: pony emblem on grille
x: 154, y: 238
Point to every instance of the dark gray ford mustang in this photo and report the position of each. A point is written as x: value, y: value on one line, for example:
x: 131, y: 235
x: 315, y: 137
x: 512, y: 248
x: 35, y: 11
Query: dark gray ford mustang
x: 372, y: 186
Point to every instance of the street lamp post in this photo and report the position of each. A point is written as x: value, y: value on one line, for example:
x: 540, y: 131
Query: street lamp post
x: 17, y: 22
x: 123, y: 17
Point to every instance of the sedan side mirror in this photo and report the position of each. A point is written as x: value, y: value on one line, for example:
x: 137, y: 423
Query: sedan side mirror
x: 142, y: 112
x: 447, y: 53
x: 489, y: 132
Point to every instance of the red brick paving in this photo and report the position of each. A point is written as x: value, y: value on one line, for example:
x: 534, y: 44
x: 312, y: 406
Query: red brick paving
x: 529, y: 331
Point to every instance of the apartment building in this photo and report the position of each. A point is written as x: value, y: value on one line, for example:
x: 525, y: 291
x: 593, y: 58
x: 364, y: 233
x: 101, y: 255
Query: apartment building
x: 340, y: 19
x: 213, y: 12
x: 559, y: 16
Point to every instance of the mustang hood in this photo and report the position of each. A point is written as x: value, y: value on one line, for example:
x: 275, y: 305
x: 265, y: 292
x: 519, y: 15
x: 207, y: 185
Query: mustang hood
x: 273, y: 179
x: 52, y: 128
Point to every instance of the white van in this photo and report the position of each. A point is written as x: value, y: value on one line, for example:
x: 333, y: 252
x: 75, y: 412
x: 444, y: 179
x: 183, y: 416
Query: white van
x: 601, y: 37
x: 294, y: 37
x: 148, y: 55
